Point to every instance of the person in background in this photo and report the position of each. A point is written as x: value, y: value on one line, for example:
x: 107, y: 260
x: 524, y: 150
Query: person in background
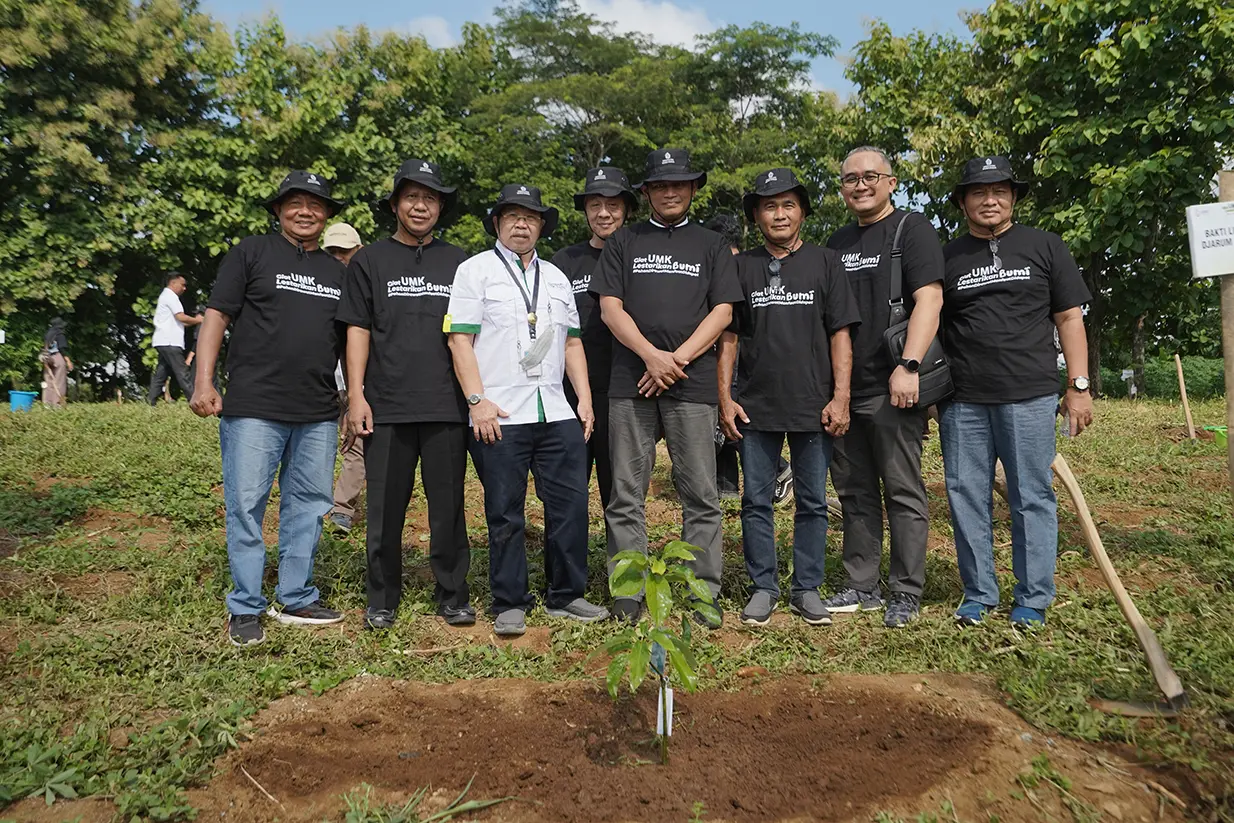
x: 280, y: 294
x: 56, y: 365
x: 1009, y: 287
x: 404, y: 398
x: 170, y: 321
x: 514, y: 335
x: 341, y: 241
x: 796, y: 359
x: 879, y: 459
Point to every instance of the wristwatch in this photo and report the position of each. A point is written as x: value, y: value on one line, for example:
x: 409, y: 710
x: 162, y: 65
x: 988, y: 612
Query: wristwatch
x: 910, y: 365
x: 474, y: 399
x: 1079, y: 383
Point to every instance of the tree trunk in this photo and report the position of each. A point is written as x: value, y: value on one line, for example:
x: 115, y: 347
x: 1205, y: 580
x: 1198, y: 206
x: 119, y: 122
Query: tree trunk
x: 1137, y: 353
x: 1095, y: 321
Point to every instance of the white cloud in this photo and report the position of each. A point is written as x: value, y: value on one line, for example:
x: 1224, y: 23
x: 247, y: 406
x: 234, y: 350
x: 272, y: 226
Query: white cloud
x: 662, y: 21
x: 436, y: 30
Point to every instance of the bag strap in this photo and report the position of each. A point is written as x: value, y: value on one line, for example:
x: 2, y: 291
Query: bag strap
x: 896, y: 299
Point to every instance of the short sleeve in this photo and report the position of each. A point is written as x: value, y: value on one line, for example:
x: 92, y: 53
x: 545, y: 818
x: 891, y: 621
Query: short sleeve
x: 231, y: 283
x: 609, y: 277
x: 466, y: 301
x: 742, y: 322
x: 574, y: 327
x: 840, y: 304
x: 1067, y: 289
x: 356, y: 307
x: 725, y: 286
x: 173, y: 300
x: 923, y: 253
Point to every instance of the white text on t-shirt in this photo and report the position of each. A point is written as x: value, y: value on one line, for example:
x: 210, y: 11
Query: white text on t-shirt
x: 306, y: 284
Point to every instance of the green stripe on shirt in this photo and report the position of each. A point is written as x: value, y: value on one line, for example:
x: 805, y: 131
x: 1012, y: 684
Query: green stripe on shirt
x: 464, y: 328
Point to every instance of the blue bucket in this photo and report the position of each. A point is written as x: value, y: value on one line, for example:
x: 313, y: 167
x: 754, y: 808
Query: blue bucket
x: 20, y: 401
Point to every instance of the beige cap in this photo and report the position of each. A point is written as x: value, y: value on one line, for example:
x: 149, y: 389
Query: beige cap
x: 341, y: 236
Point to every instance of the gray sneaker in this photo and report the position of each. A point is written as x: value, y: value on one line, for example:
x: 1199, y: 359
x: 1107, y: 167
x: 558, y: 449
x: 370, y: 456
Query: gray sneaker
x: 341, y: 523
x: 902, y: 609
x: 811, y: 608
x: 758, y: 611
x: 580, y: 610
x: 510, y: 623
x: 851, y: 600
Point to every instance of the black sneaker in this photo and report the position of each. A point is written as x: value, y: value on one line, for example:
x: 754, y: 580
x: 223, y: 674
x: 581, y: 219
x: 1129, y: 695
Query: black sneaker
x: 627, y: 609
x: 851, y: 600
x: 245, y: 630
x: 784, y: 485
x: 463, y: 615
x: 810, y: 608
x: 314, y: 614
x: 711, y: 618
x: 378, y: 620
x: 902, y: 609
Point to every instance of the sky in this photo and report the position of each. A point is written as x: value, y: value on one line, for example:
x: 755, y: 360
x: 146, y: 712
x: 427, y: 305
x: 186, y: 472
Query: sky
x: 665, y: 21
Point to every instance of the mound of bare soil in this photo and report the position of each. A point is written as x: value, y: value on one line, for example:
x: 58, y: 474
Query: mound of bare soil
x: 784, y: 750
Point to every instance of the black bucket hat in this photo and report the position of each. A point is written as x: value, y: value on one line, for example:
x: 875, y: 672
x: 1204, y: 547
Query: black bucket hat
x: 671, y: 165
x: 519, y: 194
x: 607, y: 181
x: 993, y: 169
x: 308, y: 183
x: 773, y: 182
x: 428, y: 175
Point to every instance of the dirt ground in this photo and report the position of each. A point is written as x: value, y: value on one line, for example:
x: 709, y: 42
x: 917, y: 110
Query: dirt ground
x: 819, y: 749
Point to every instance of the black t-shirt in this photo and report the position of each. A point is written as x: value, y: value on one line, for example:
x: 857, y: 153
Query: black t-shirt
x: 865, y: 253
x: 668, y: 280
x: 284, y: 339
x: 998, y: 322
x: 784, y: 336
x: 578, y: 262
x: 402, y: 300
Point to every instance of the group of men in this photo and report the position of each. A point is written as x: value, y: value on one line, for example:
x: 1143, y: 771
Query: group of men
x: 553, y: 367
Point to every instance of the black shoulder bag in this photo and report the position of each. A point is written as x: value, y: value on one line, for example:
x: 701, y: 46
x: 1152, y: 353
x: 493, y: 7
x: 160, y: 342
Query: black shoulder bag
x: 934, y: 375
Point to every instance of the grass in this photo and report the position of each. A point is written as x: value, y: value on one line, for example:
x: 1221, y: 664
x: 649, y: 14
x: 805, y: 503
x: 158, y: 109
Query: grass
x: 134, y: 693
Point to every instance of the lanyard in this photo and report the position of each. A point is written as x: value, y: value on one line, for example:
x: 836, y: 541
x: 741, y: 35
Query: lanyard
x: 532, y: 301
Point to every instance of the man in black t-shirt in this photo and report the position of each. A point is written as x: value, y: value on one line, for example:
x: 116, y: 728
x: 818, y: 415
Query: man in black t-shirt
x: 792, y: 382
x: 880, y: 457
x: 1008, y: 289
x: 279, y: 293
x: 403, y: 396
x: 666, y: 287
x: 607, y: 201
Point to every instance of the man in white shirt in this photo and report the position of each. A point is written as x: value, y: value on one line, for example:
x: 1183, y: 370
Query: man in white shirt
x: 169, y: 323
x: 514, y: 332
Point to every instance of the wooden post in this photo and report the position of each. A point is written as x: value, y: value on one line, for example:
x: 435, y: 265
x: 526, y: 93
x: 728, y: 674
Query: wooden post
x: 1226, y: 194
x: 1182, y: 389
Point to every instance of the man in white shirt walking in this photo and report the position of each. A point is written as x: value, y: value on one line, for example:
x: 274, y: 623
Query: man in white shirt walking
x: 169, y: 323
x: 514, y: 333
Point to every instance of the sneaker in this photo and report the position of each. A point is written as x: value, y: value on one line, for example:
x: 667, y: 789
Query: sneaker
x: 1023, y: 617
x: 627, y: 609
x: 245, y: 630
x: 580, y: 610
x: 784, y: 485
x: 711, y: 619
x: 851, y: 600
x: 378, y: 620
x: 971, y: 613
x: 341, y: 523
x: 463, y: 615
x: 314, y: 614
x: 758, y: 611
x: 811, y: 608
x: 902, y: 609
x: 730, y: 494
x: 510, y: 623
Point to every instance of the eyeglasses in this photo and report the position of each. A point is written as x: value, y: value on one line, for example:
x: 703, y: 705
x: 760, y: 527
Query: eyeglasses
x: 529, y: 220
x: 774, y: 267
x: 998, y: 264
x: 850, y: 181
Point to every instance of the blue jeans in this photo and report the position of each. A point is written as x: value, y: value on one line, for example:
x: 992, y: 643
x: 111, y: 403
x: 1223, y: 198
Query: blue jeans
x: 1021, y: 435
x: 556, y: 454
x: 760, y: 458
x: 304, y: 455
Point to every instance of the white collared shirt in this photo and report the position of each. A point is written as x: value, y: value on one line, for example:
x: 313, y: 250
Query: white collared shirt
x: 168, y: 330
x: 660, y: 225
x: 486, y: 302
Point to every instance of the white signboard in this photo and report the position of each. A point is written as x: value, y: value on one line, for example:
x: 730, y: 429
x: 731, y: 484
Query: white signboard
x: 1211, y: 229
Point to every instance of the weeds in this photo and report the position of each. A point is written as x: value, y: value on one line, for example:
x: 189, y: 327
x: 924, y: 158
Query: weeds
x: 361, y: 808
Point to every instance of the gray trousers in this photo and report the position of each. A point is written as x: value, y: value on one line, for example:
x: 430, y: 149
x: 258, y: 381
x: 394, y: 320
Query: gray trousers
x: 689, y: 432
x: 883, y: 443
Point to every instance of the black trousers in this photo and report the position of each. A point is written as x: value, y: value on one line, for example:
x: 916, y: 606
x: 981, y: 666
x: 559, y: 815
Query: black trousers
x: 390, y: 458
x: 597, y: 446
x: 171, y: 364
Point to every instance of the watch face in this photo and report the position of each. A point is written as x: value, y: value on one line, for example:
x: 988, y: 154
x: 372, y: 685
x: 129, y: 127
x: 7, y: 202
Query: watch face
x: 1081, y: 383
x: 474, y: 399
